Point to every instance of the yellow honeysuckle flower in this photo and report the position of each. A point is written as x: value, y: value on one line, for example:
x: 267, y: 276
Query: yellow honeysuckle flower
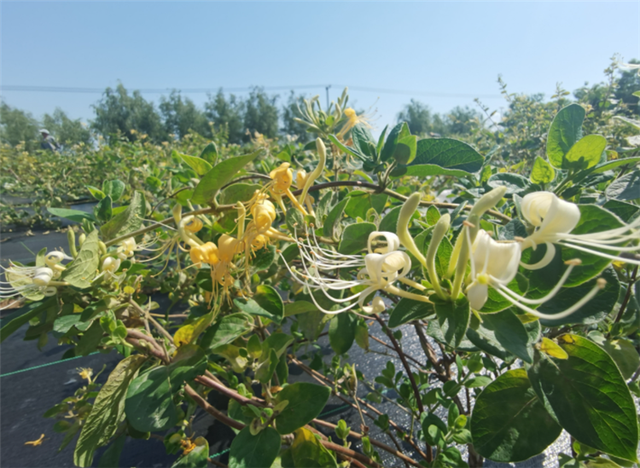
x: 353, y: 119
x: 282, y: 177
x: 85, y: 373
x: 205, y: 253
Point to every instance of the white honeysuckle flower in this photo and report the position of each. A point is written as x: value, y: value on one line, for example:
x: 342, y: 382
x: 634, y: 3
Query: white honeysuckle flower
x: 492, y: 264
x: 379, y: 269
x: 110, y: 266
x: 27, y: 281
x: 495, y: 264
x: 554, y: 219
x: 127, y: 249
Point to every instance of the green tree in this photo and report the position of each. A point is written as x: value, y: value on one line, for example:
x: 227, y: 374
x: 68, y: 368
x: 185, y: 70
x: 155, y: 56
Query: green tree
x: 66, y: 131
x: 289, y: 113
x: 261, y: 113
x: 418, y: 116
x: 181, y: 116
x: 460, y: 121
x: 119, y: 112
x: 18, y: 126
x: 226, y: 115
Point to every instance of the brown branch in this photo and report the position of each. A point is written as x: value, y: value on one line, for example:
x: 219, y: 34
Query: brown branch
x: 403, y: 359
x: 325, y: 381
x: 223, y: 418
x: 385, y: 447
x: 375, y: 338
x: 627, y: 296
x: 430, y: 353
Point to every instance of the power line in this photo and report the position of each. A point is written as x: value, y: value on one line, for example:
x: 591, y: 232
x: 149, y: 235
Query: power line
x: 62, y: 89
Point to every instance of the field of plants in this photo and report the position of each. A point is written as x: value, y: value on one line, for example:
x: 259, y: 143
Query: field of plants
x: 507, y: 247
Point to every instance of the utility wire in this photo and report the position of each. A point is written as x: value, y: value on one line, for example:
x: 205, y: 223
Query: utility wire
x: 61, y: 89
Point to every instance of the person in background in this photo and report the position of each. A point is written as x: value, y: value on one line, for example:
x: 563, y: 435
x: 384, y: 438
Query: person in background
x: 48, y: 142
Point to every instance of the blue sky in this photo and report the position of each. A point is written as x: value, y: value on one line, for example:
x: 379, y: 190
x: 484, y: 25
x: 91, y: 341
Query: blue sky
x: 454, y: 50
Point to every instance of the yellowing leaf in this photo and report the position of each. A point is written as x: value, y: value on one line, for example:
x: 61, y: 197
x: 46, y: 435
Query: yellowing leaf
x: 190, y: 332
x: 552, y: 349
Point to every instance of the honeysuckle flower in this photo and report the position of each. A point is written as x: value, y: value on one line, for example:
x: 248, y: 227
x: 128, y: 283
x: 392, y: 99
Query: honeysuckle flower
x: 554, y: 219
x: 495, y: 264
x: 54, y: 261
x: 492, y: 264
x: 282, y: 177
x: 353, y: 119
x: 205, y: 253
x: 305, y: 181
x: 379, y: 269
x: 259, y: 230
x: 126, y: 249
x: 29, y: 282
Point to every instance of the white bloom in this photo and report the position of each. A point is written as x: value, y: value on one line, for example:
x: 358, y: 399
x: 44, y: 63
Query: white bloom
x: 28, y: 282
x: 554, y: 220
x: 127, y: 249
x: 492, y: 264
x: 379, y: 269
x: 495, y: 264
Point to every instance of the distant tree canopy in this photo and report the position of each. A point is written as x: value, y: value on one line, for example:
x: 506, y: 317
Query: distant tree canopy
x: 123, y: 114
x: 18, y: 126
x: 120, y: 113
x: 422, y: 121
x: 65, y: 130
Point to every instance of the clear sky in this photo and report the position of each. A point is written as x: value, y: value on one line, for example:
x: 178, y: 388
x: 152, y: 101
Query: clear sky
x: 449, y: 52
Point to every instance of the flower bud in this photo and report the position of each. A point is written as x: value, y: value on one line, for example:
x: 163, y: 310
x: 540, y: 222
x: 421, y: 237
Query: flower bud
x: 402, y: 228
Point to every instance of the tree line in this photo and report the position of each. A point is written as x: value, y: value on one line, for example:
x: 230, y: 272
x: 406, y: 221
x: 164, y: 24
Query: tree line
x: 123, y: 114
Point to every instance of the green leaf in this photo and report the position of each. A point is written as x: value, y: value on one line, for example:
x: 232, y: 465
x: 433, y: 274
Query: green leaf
x: 333, y: 218
x: 390, y: 144
x: 626, y: 187
x: 306, y: 402
x: 610, y: 165
x: 83, y: 268
x: 594, y: 311
x: 238, y: 192
x: 585, y: 153
x: 515, y: 183
x: 565, y: 131
x: 23, y: 316
x: 509, y: 423
x: 363, y: 141
x: 624, y: 211
x: 95, y: 192
x: 111, y: 456
x: 299, y: 307
x: 250, y: 451
x: 266, y: 303
x: 199, y: 165
x: 103, y: 209
x: 453, y: 319
x: 427, y: 170
x: 217, y: 177
x: 267, y: 366
x: 342, y: 332
x: 73, y: 215
x: 128, y: 221
x: 149, y: 405
x: 624, y: 355
x: 264, y: 258
x: 226, y: 329
x: 542, y: 172
x: 188, y: 363
x: 210, y: 153
x: 480, y: 381
x: 449, y: 154
x: 347, y: 149
x: 113, y: 188
x: 108, y: 410
x: 507, y: 329
x: 588, y: 397
x: 406, y: 149
x: 407, y: 310
x: 355, y: 237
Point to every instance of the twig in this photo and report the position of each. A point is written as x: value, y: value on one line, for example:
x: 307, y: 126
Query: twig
x: 627, y: 296
x: 403, y: 359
